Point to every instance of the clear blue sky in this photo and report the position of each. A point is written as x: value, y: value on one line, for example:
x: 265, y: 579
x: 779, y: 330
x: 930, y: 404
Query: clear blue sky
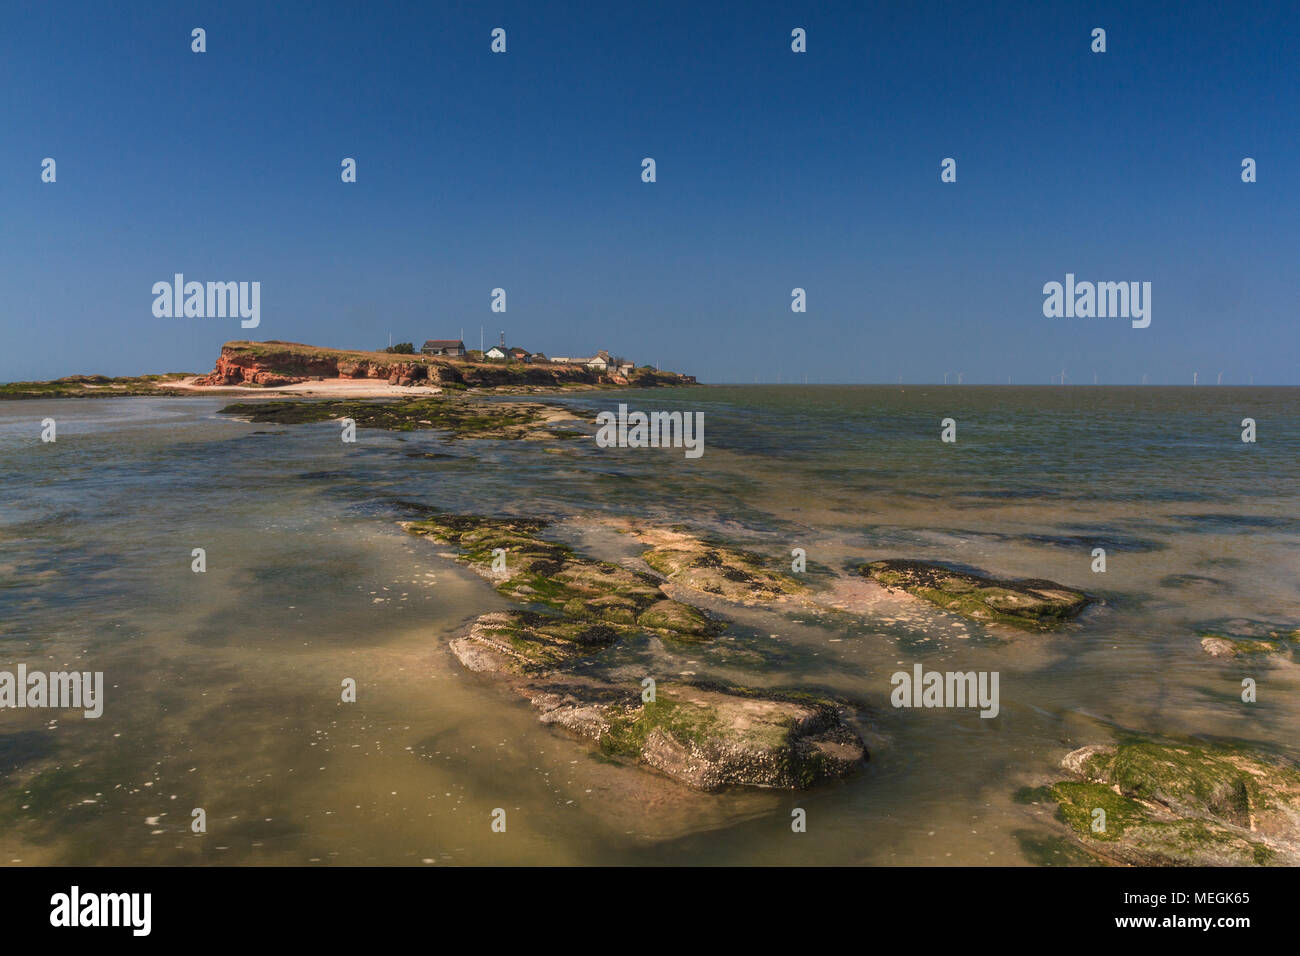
x: 775, y: 170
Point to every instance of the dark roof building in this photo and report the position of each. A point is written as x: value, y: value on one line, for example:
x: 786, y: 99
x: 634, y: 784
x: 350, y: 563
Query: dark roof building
x: 453, y: 347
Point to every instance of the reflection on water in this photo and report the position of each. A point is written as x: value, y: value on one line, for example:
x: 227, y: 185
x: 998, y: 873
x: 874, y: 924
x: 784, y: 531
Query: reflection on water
x: 223, y: 688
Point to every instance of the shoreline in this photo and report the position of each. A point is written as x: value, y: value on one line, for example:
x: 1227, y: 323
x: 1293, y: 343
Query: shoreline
x: 150, y: 386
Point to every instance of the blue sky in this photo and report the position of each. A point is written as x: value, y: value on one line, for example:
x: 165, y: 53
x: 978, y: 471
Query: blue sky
x: 775, y: 170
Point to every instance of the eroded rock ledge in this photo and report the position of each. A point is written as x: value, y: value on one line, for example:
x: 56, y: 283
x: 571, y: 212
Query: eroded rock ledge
x: 1030, y: 604
x: 706, y: 736
x: 462, y: 417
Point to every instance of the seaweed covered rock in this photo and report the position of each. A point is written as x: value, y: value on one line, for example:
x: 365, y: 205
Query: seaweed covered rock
x: 536, y: 571
x: 461, y: 417
x: 1180, y: 804
x: 710, y: 737
x: 1238, y: 637
x: 706, y: 736
x: 736, y: 576
x: 525, y: 642
x: 1030, y: 604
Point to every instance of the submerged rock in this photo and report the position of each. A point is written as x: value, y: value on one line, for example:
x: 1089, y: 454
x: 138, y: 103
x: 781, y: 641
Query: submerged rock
x: 705, y: 736
x: 1180, y: 804
x: 1218, y: 646
x: 548, y: 573
x: 710, y: 737
x: 1244, y: 638
x: 1031, y: 604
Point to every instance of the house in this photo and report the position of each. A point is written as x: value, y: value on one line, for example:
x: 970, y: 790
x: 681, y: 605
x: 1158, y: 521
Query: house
x: 600, y: 362
x: 539, y: 357
x: 453, y: 348
x: 495, y: 352
x: 519, y: 355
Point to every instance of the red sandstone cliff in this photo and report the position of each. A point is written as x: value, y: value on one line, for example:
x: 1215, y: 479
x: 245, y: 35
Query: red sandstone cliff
x: 285, y: 363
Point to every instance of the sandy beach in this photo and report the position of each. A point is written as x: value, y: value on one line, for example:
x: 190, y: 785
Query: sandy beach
x: 326, y: 388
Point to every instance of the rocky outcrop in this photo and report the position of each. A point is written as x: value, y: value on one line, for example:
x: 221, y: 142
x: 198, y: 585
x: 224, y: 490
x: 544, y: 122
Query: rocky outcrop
x: 460, y: 416
x: 97, y: 386
x: 284, y: 363
x: 691, y: 562
x: 1027, y: 604
x: 1250, y: 639
x: 1178, y: 803
x: 709, y: 737
x: 239, y: 364
x: 541, y: 572
x: 705, y: 736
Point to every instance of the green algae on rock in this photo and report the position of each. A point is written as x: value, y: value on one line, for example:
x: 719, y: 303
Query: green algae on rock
x: 462, y: 417
x: 525, y: 642
x: 1239, y: 637
x: 543, y: 572
x: 710, y: 737
x: 98, y: 386
x: 1180, y: 803
x: 689, y: 561
x: 1031, y: 604
x: 705, y: 736
x: 1216, y: 645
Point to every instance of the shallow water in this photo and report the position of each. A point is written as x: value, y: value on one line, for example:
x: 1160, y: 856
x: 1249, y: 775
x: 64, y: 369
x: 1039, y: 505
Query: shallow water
x: 224, y: 687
